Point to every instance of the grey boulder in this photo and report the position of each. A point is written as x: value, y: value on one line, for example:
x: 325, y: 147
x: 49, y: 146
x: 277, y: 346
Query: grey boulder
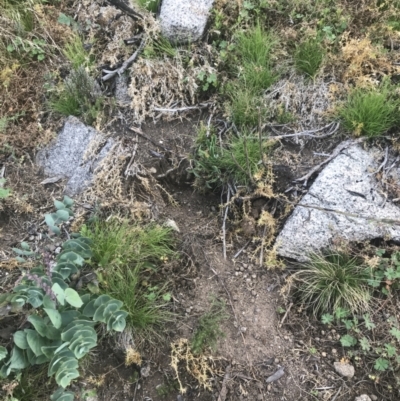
x: 348, y: 185
x: 66, y: 156
x: 184, y: 21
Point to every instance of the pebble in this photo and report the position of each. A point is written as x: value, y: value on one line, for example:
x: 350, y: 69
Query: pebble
x: 344, y: 369
x: 57, y: 250
x: 213, y: 209
x: 363, y: 397
x: 276, y: 360
x: 334, y: 351
x: 373, y: 397
x: 254, y: 293
x: 317, y: 339
x: 241, y: 269
x: 31, y: 238
x: 254, y: 275
x: 323, y: 354
x: 236, y: 273
x: 330, y: 338
x: 248, y: 280
x: 260, y: 397
x: 322, y: 333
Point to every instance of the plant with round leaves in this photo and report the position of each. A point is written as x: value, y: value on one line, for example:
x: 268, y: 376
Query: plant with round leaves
x: 63, y: 213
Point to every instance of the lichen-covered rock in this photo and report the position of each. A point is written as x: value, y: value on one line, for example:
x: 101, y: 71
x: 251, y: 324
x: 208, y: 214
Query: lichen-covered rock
x: 348, y: 185
x: 184, y: 21
x: 74, y: 154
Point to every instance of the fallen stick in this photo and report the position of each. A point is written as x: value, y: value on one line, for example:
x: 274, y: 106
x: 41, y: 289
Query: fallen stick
x: 342, y: 146
x: 224, y: 224
x: 285, y: 315
x: 127, y: 63
x: 177, y: 110
x: 333, y: 128
x: 126, y: 9
x: 223, y: 393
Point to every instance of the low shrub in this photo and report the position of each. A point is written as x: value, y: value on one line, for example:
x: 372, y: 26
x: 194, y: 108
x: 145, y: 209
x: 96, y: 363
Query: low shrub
x: 62, y: 322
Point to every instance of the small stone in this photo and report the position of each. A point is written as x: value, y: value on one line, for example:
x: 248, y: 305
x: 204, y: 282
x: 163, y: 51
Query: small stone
x: 317, y: 339
x: 188, y: 310
x: 57, y: 250
x: 330, y: 338
x: 254, y: 293
x: 373, y: 397
x: 171, y: 224
x: 334, y: 351
x: 254, y: 275
x: 236, y: 273
x: 31, y: 238
x: 363, y: 397
x: 241, y: 269
x: 276, y: 360
x: 51, y: 247
x: 269, y: 387
x: 323, y: 354
x: 243, y: 329
x: 260, y: 397
x: 213, y: 209
x: 344, y: 369
x: 322, y: 332
x: 248, y: 280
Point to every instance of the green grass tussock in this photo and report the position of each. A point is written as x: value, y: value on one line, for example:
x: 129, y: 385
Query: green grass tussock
x: 371, y: 112
x: 334, y: 280
x: 308, y: 57
x: 128, y: 256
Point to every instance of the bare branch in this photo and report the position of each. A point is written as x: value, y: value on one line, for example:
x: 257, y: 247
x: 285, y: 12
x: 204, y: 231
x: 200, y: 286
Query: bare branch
x: 127, y: 63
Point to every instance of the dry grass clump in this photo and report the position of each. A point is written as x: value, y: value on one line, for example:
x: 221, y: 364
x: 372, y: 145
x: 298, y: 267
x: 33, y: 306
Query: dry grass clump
x: 118, y: 185
x: 201, y: 367
x: 360, y: 60
x: 308, y: 104
x: 165, y: 84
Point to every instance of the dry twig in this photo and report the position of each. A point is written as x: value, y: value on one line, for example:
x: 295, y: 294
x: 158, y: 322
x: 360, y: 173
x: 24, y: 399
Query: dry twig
x: 126, y: 64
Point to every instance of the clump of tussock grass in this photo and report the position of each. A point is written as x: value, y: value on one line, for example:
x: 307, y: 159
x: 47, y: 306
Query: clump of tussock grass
x: 333, y: 280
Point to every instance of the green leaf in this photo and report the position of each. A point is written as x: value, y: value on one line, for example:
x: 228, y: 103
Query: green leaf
x: 73, y: 298
x: 390, y: 350
x: 59, y: 293
x: 341, y: 313
x: 3, y: 352
x: 395, y: 332
x: 62, y: 215
x: 364, y: 343
x: 78, y: 246
x: 69, y: 316
x: 90, y: 309
x: 49, y: 350
x: 102, y: 299
x: 368, y: 323
x: 71, y: 257
x: 54, y: 316
x: 25, y: 246
x: 348, y: 341
x: 59, y: 205
x: 64, y: 19
x: 20, y: 339
x: 167, y: 297
x: 68, y: 201
x: 38, y: 323
x: 18, y: 359
x: 48, y: 302
x: 65, y: 379
x: 55, y: 230
x: 48, y: 218
x: 327, y: 318
x: 61, y: 395
x: 35, y: 341
x: 58, y: 359
x: 381, y: 364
